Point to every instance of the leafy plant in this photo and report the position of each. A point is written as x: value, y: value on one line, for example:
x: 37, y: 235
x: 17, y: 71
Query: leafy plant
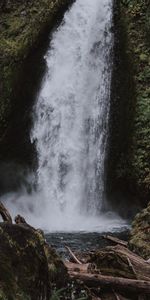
x: 56, y: 295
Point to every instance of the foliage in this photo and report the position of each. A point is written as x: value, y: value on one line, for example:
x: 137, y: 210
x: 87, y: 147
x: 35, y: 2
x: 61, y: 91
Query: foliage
x: 56, y: 294
x: 136, y: 18
x: 22, y: 24
x: 69, y: 293
x: 140, y: 237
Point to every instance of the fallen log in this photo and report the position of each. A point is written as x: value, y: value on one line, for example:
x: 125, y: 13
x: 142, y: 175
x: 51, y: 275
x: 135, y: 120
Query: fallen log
x: 131, y: 266
x: 140, y: 266
x: 75, y: 259
x: 115, y: 240
x: 120, y: 297
x: 116, y: 295
x: 148, y: 261
x: 72, y: 267
x: 119, y: 261
x: 5, y: 213
x: 118, y: 283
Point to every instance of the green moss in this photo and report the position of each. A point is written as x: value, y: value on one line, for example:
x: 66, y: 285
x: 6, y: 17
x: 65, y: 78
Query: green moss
x: 112, y: 263
x: 57, y: 271
x: 140, y: 233
x: 21, y: 28
x: 31, y: 269
x: 137, y: 157
x: 23, y: 264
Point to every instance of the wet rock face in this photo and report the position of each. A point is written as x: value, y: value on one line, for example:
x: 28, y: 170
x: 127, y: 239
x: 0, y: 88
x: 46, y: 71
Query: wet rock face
x: 24, y: 270
x: 129, y: 157
x: 140, y: 233
x: 24, y: 25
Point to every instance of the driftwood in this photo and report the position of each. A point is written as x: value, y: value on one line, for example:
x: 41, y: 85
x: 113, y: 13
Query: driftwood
x: 120, y: 297
x: 5, y: 213
x: 131, y: 266
x: 122, y: 284
x: 72, y: 267
x: 115, y: 240
x: 75, y: 259
x: 139, y: 266
x: 116, y: 295
x: 148, y: 261
x: 118, y: 273
x: 119, y: 261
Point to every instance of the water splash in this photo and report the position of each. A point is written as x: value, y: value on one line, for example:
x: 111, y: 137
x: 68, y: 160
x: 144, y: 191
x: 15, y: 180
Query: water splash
x: 72, y: 109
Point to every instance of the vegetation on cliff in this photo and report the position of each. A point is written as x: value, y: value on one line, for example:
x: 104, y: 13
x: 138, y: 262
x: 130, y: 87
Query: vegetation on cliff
x: 140, y: 233
x: 22, y: 24
x: 135, y: 162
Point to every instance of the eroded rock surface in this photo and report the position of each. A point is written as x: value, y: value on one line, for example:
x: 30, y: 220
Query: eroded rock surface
x: 140, y: 233
x: 24, y: 270
x: 23, y: 23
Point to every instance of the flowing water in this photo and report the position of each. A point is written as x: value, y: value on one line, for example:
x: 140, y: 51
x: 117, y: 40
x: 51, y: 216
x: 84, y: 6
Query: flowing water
x: 71, y: 125
x: 83, y: 242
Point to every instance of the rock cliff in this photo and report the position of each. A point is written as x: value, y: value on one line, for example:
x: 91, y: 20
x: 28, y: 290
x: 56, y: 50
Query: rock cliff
x: 22, y: 26
x: 129, y: 163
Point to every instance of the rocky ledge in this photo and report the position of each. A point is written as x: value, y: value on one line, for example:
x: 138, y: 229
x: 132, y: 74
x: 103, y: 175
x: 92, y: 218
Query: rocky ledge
x: 140, y: 233
x: 28, y: 265
x: 30, y: 269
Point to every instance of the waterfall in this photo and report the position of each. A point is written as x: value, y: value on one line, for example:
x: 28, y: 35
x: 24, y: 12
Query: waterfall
x: 71, y: 121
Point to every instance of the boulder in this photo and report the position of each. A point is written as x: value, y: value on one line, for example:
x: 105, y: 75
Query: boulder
x: 140, y: 233
x: 24, y: 270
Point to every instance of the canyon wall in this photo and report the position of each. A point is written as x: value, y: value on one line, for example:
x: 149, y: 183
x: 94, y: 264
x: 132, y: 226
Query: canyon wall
x: 129, y: 152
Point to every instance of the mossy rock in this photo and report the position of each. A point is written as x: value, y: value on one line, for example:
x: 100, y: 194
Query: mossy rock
x: 140, y: 233
x: 24, y: 269
x: 30, y: 268
x: 58, y: 274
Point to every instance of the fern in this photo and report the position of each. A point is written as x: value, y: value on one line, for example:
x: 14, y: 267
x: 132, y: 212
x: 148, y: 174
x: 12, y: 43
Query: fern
x: 56, y: 295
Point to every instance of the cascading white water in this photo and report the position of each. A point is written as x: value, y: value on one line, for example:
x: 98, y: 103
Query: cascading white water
x: 71, y: 122
x: 72, y: 109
